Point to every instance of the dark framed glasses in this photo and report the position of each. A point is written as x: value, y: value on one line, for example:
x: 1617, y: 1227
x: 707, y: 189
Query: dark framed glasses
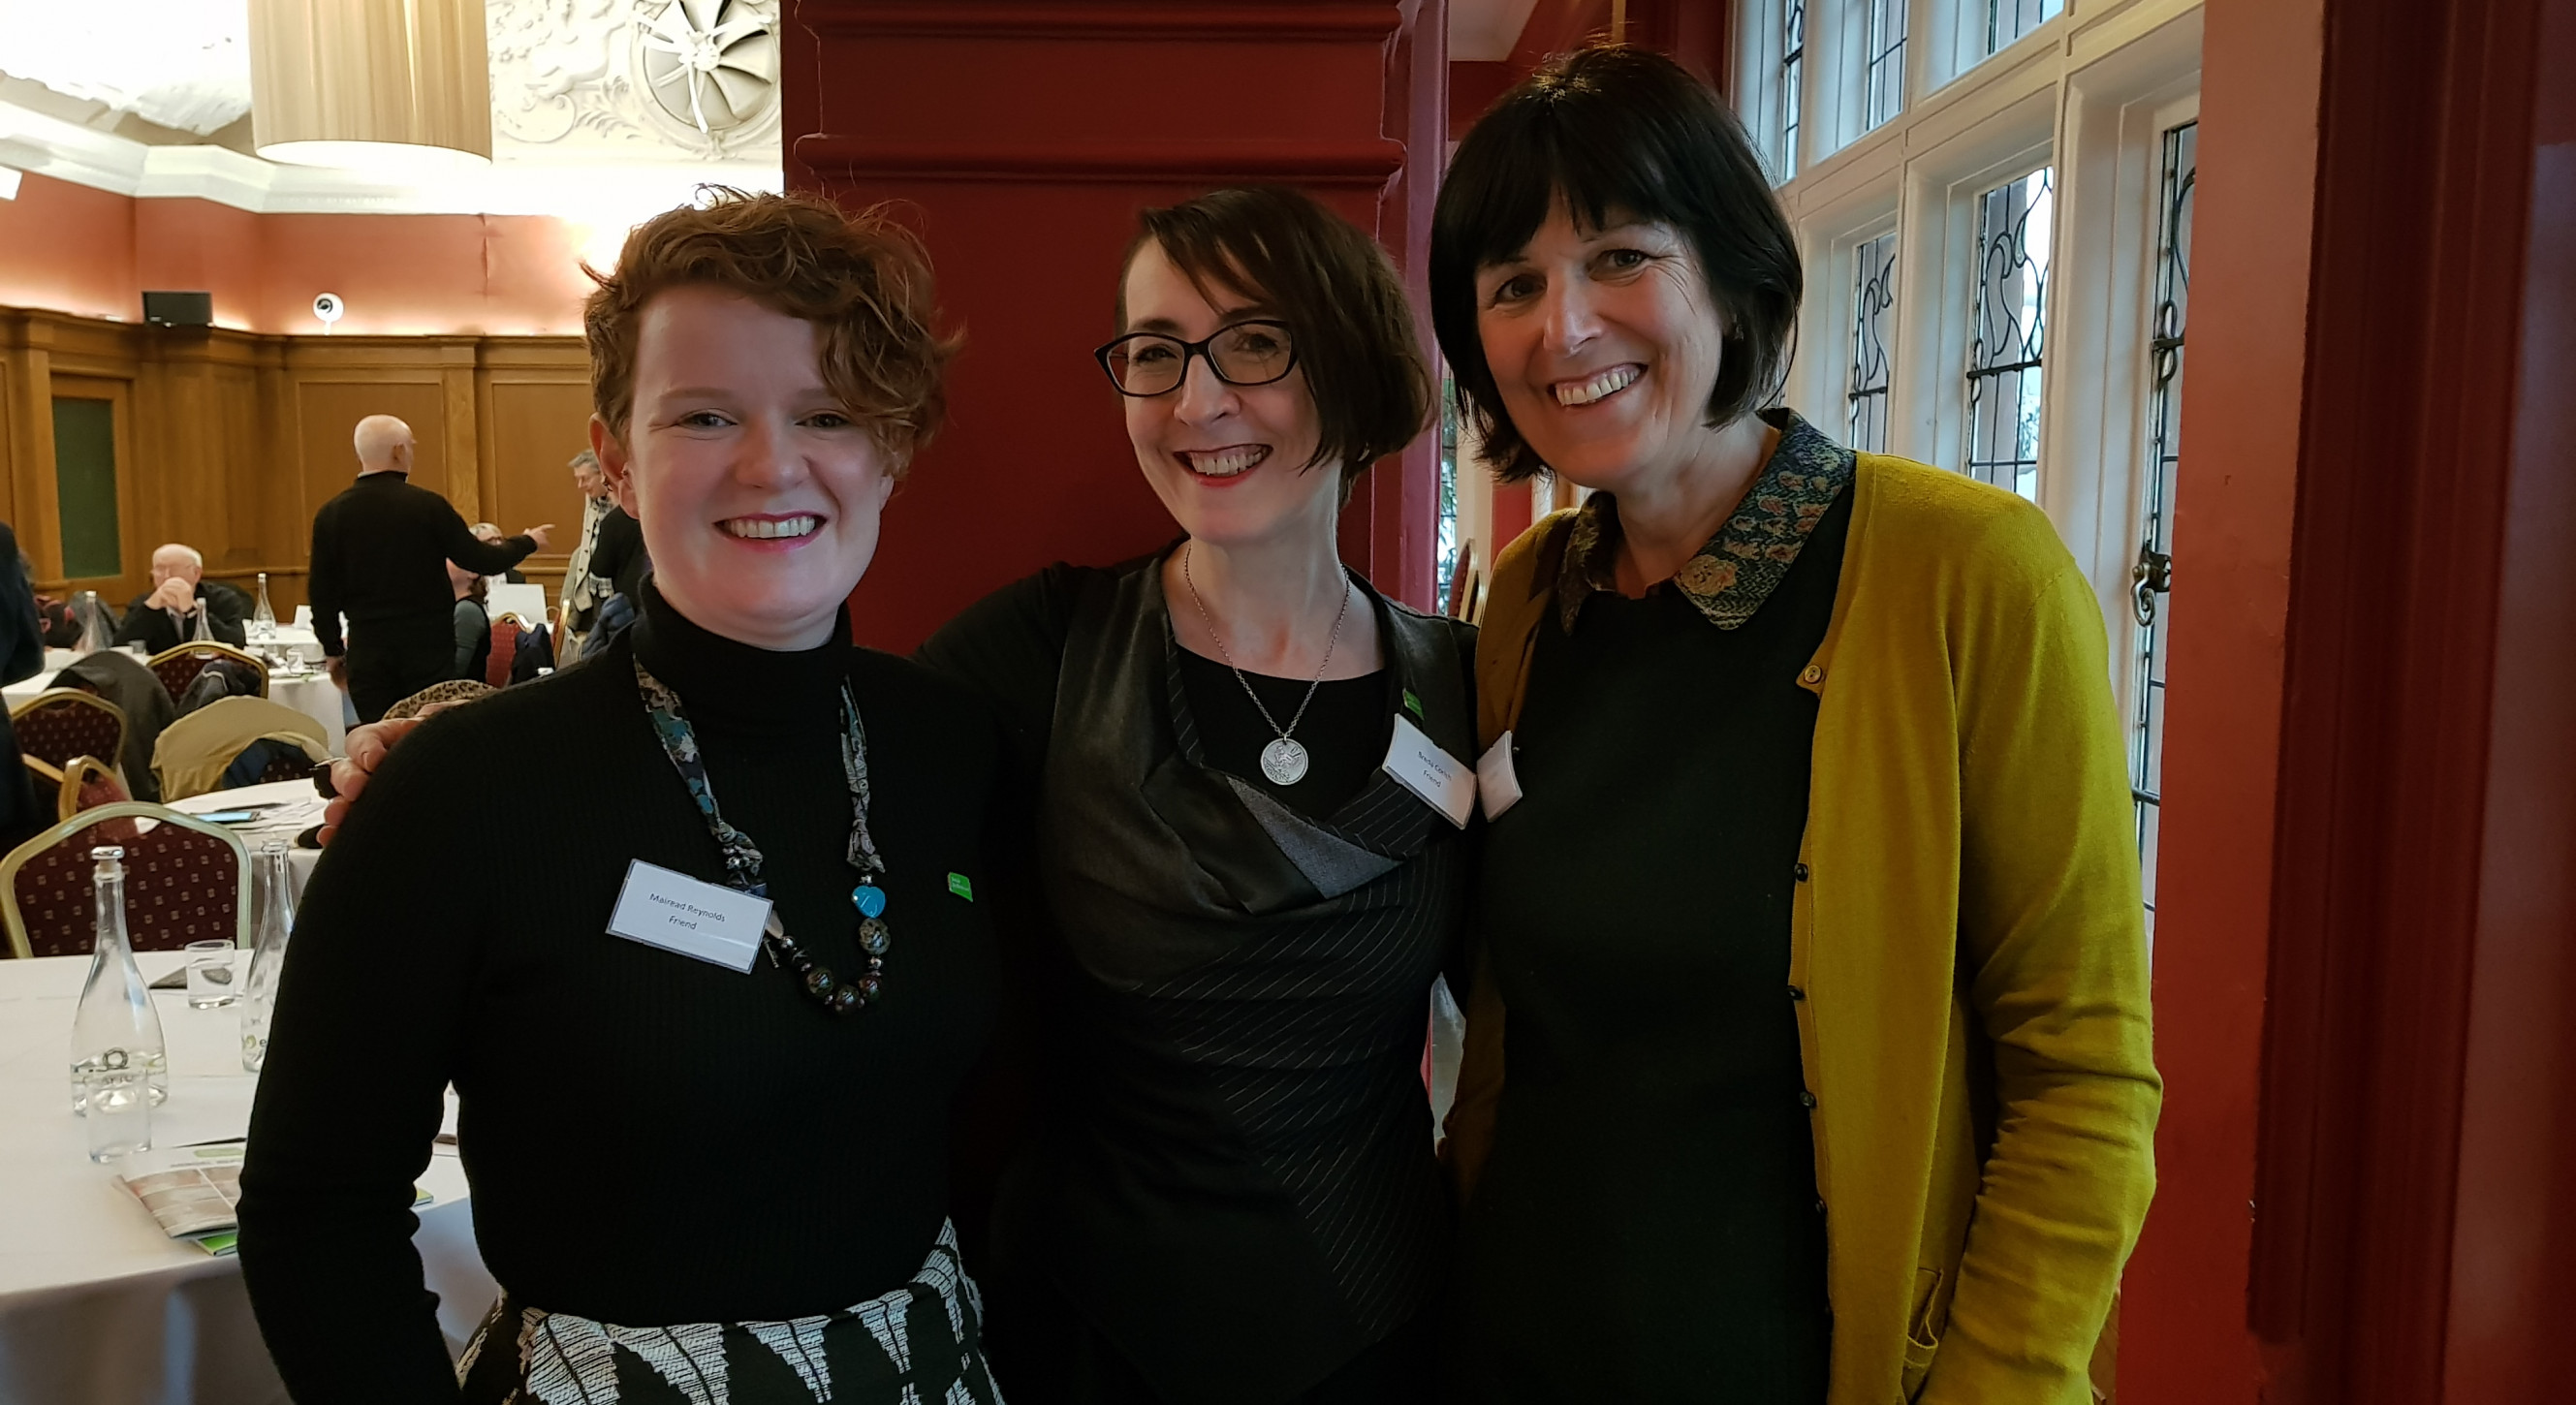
x: 1256, y: 352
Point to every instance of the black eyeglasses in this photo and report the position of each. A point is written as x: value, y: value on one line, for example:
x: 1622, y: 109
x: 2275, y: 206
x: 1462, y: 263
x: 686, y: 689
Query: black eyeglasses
x: 1246, y: 353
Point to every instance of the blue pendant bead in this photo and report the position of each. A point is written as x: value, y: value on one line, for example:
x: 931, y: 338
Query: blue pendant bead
x: 869, y: 899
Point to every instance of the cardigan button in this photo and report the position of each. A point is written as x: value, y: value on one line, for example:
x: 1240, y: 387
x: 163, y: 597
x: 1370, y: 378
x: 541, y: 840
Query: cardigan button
x: 1799, y: 871
x: 1812, y: 676
x: 1806, y: 1099
x: 1796, y: 993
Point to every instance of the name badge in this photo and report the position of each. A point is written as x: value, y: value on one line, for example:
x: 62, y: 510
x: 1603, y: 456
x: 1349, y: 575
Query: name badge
x: 680, y: 914
x: 1496, y: 782
x: 1443, y: 782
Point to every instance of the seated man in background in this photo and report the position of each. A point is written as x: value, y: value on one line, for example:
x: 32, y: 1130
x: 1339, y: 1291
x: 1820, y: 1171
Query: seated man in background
x: 166, y: 616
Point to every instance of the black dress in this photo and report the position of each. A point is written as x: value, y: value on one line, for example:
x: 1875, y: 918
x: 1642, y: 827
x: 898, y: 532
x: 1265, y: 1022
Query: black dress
x: 667, y: 1155
x: 1647, y: 1227
x: 1235, y: 1199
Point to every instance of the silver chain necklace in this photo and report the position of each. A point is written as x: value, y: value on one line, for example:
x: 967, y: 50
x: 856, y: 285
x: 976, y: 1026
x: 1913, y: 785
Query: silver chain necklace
x: 1284, y: 760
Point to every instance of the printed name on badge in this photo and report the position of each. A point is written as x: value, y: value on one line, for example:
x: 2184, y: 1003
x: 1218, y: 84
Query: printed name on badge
x: 683, y: 915
x: 1496, y: 782
x: 1442, y: 780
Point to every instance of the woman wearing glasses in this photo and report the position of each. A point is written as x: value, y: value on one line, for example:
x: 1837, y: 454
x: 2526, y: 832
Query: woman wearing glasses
x: 1235, y: 1198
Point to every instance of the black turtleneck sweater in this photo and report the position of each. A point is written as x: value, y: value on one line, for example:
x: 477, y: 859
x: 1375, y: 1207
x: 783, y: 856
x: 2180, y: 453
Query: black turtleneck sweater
x: 651, y: 1139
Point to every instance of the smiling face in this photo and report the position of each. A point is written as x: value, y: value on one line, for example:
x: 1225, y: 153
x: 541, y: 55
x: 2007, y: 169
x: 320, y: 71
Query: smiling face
x: 758, y: 494
x: 1605, y: 346
x: 1228, y: 461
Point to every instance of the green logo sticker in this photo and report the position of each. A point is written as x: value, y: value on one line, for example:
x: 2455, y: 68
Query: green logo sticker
x: 958, y: 884
x: 1413, y: 704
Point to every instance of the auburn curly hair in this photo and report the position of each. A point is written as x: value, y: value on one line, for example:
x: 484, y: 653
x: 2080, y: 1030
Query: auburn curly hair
x: 863, y: 280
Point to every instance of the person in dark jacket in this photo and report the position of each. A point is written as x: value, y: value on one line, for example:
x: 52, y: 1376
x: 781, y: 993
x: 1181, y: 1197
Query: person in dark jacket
x: 22, y: 655
x: 379, y: 557
x: 165, y: 616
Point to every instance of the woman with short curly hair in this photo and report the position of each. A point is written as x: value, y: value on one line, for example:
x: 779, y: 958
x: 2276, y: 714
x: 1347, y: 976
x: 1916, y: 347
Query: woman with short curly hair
x: 705, y: 1052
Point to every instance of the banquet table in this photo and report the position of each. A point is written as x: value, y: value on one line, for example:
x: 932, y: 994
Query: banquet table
x: 311, y: 693
x: 296, y: 807
x: 97, y: 1305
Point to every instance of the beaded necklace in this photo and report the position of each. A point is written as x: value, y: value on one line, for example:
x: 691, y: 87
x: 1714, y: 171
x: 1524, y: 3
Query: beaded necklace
x: 743, y: 862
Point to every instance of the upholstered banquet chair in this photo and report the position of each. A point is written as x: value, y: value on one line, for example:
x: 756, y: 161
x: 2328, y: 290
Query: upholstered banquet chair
x: 87, y: 784
x: 185, y: 881
x: 196, y: 750
x: 179, y: 667
x: 60, y: 723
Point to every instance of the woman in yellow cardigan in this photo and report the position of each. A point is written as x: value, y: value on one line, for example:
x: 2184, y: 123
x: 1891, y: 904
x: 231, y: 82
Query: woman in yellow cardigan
x: 1808, y: 1054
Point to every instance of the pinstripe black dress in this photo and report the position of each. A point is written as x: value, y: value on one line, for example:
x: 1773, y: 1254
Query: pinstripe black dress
x: 1238, y: 1197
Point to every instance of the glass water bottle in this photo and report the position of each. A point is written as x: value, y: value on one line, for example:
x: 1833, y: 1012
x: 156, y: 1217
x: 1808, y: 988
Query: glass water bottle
x: 203, y: 634
x: 118, y: 1057
x: 96, y: 632
x: 273, y: 921
x: 263, y: 620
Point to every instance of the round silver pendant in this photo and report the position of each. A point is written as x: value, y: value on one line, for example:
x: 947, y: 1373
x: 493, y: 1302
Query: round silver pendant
x: 1284, y: 762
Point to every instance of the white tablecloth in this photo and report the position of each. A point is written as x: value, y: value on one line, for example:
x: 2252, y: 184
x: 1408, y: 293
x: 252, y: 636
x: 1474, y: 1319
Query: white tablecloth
x: 298, y: 808
x: 313, y: 694
x: 301, y: 638
x: 97, y: 1305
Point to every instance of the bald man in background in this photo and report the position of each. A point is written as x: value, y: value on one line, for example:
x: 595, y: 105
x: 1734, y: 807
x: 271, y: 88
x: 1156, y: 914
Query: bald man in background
x: 380, y: 554
x: 165, y: 616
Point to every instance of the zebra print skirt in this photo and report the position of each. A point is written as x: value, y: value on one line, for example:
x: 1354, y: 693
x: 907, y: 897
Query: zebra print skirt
x: 918, y: 1345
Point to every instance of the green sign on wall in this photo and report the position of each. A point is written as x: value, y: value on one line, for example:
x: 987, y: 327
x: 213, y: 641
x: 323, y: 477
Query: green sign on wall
x: 85, y: 487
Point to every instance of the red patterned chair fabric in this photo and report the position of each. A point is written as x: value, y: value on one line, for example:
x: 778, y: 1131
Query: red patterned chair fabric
x: 61, y: 723
x: 179, y: 667
x: 181, y: 885
x: 505, y: 651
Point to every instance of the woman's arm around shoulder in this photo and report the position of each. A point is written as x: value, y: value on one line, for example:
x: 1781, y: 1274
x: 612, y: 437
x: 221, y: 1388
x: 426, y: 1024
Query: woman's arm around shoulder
x: 371, y: 1009
x: 1009, y: 647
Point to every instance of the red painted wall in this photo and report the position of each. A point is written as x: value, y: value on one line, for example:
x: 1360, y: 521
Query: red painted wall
x: 1012, y: 136
x: 74, y: 249
x: 2183, y: 1315
x: 69, y: 248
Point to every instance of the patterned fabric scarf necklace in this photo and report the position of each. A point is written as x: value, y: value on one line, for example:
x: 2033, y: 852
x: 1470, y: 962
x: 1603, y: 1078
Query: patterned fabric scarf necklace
x: 743, y: 862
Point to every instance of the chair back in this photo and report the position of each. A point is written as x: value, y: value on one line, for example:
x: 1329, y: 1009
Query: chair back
x: 60, y: 723
x: 87, y: 784
x: 193, y: 752
x: 179, y: 667
x: 185, y: 881
x: 505, y: 651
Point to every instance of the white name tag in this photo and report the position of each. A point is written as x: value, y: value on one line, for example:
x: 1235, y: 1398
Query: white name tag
x: 1443, y: 782
x: 1496, y: 782
x: 680, y: 914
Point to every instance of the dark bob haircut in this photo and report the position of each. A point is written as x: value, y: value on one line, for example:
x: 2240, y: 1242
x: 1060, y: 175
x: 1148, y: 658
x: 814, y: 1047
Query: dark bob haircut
x: 1285, y: 256
x: 1615, y: 131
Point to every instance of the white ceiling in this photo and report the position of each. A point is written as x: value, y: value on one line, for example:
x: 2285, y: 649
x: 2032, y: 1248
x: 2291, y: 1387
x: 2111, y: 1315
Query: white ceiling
x: 577, y: 128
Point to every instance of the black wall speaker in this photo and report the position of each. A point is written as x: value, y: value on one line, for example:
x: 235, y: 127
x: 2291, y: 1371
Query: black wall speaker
x: 179, y: 309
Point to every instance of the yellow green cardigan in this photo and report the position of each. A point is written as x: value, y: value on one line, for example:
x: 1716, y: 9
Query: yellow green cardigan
x: 1970, y: 946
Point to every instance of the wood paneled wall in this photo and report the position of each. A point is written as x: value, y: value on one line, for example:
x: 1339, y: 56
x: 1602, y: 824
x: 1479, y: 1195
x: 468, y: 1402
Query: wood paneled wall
x: 228, y: 441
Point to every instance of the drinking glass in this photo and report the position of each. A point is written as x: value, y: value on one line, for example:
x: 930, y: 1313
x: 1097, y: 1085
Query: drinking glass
x: 120, y: 1112
x: 210, y: 974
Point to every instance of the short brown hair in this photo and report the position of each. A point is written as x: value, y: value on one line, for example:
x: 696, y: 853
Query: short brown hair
x: 862, y: 279
x: 1332, y: 285
x: 1608, y: 128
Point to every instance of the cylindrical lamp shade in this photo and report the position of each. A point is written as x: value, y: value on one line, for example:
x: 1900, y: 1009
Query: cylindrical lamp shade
x: 371, y: 84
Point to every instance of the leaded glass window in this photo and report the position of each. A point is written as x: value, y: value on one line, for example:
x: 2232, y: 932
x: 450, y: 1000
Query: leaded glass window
x: 2164, y: 449
x: 1883, y: 76
x: 2010, y: 333
x: 1873, y: 293
x: 1793, y: 71
x: 2008, y: 20
x: 1445, y: 545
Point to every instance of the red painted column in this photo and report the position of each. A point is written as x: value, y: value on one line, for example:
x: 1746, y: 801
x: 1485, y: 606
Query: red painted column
x: 2363, y: 986
x: 1021, y: 139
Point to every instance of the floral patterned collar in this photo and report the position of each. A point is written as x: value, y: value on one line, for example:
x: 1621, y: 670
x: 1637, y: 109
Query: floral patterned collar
x: 1731, y: 576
